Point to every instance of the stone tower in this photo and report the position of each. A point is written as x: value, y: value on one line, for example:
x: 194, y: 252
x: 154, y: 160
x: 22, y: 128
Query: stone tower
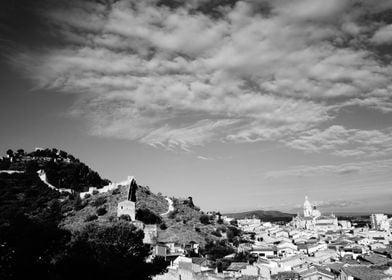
x: 128, y: 206
x: 307, y: 208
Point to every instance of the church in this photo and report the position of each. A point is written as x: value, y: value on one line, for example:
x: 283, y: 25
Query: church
x: 313, y: 220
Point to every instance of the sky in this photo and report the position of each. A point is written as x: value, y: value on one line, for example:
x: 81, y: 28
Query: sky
x: 242, y: 105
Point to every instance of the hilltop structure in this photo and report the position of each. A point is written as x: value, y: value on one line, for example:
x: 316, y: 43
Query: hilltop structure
x: 312, y: 219
x: 128, y: 206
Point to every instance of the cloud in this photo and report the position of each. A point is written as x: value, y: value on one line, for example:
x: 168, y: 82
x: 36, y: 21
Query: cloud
x: 183, y: 75
x: 344, y: 142
x: 383, y: 35
x: 363, y: 167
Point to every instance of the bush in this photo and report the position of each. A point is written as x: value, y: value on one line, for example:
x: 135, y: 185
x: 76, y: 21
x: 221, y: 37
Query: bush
x: 101, y: 211
x: 204, y: 219
x: 216, y: 233
x: 173, y: 214
x: 148, y: 217
x: 99, y: 201
x: 116, y: 191
x: 125, y: 217
x: 163, y: 226
x: 91, y: 218
x: 87, y: 195
x: 95, y: 192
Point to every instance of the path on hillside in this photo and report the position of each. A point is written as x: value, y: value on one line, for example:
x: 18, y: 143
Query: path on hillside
x: 171, y: 208
x: 44, y: 179
x: 11, y: 171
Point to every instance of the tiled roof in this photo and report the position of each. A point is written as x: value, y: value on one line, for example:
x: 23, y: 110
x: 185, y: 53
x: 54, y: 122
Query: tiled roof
x: 375, y: 259
x: 236, y: 266
x: 315, y: 270
x: 364, y: 273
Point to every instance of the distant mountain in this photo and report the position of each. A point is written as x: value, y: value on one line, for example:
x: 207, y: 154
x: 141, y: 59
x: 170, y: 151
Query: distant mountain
x: 267, y: 216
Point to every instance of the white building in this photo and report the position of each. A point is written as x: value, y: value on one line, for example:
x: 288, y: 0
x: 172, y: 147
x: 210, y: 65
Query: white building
x: 379, y: 222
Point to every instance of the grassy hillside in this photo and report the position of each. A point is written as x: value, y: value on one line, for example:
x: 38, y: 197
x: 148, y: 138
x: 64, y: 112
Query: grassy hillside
x: 75, y: 218
x: 181, y: 226
x: 184, y: 225
x: 25, y: 193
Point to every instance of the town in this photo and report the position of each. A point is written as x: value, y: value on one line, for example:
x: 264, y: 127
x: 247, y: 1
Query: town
x: 312, y: 246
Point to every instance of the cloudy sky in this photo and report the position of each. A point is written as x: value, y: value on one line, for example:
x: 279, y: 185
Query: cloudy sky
x: 240, y: 104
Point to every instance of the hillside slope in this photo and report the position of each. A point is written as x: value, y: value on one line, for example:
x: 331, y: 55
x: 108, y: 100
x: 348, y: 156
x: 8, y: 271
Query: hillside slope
x: 24, y: 192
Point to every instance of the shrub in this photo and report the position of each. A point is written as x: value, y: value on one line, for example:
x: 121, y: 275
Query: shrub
x: 87, y: 195
x: 216, y: 233
x: 204, y: 219
x: 173, y: 214
x: 99, y: 201
x: 163, y: 226
x: 95, y: 192
x: 125, y: 217
x: 91, y: 218
x: 197, y: 229
x: 147, y: 216
x: 116, y: 191
x: 101, y: 211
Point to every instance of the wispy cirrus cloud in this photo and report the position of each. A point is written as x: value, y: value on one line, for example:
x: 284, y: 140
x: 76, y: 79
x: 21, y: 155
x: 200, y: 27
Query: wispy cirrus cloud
x: 344, y: 142
x: 185, y: 75
x: 363, y: 167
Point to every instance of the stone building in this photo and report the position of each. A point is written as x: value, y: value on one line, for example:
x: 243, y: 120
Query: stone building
x: 313, y: 220
x: 128, y: 206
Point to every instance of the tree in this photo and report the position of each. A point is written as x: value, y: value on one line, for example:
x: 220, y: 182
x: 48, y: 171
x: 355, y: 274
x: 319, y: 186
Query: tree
x: 217, y: 250
x: 147, y: 216
x: 111, y: 252
x: 10, y: 152
x: 204, y: 219
x: 101, y: 211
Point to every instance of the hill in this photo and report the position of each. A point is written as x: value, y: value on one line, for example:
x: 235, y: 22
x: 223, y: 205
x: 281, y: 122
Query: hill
x: 62, y: 169
x: 25, y: 193
x: 266, y: 216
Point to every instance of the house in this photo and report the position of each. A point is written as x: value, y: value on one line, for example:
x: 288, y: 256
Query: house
x: 150, y: 234
x: 235, y: 268
x: 362, y: 273
x: 323, y: 256
x: 353, y: 251
x: 266, y: 251
x: 316, y: 273
x: 375, y: 259
x: 285, y: 275
x: 286, y: 248
x: 291, y: 263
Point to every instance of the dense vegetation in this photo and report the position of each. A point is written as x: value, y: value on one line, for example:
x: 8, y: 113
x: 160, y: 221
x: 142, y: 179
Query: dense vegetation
x: 33, y: 245
x: 62, y: 169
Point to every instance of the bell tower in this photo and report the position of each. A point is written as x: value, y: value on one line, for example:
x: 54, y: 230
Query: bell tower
x: 307, y: 208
